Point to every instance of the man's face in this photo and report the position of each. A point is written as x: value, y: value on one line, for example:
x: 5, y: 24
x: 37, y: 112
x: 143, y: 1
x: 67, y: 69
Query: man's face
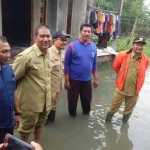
x: 43, y: 39
x: 138, y: 48
x: 85, y: 34
x: 4, y: 52
x: 60, y: 43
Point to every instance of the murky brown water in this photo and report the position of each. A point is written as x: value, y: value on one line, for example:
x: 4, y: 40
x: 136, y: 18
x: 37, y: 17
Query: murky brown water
x: 91, y: 132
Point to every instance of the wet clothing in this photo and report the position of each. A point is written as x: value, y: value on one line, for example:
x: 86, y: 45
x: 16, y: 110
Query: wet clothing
x: 32, y: 70
x: 130, y: 71
x: 7, y: 90
x: 31, y: 120
x: 118, y: 98
x: 56, y: 76
x: 80, y: 62
x: 84, y: 89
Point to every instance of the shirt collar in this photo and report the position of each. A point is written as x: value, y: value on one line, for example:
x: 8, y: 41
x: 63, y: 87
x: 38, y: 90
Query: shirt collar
x: 37, y: 50
x: 133, y: 55
x: 56, y: 50
x: 88, y: 42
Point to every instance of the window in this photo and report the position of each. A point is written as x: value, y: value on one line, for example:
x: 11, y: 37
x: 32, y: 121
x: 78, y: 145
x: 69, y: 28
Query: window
x: 69, y: 16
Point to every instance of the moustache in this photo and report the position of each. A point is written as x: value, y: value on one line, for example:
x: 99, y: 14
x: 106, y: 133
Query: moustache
x: 45, y: 42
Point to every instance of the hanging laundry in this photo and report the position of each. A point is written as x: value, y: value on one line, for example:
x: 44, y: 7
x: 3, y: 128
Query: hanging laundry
x: 103, y: 40
x: 93, y: 19
x: 105, y: 25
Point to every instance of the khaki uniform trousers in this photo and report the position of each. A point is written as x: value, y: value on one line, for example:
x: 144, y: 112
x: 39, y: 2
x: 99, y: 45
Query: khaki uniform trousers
x: 55, y: 100
x: 117, y: 99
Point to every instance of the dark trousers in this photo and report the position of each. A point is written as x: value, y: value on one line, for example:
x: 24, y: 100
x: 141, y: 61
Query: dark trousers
x: 4, y: 131
x: 84, y: 89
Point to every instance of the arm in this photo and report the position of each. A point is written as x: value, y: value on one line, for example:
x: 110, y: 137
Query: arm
x: 95, y: 75
x: 16, y: 102
x: 20, y: 66
x: 117, y: 63
x: 95, y: 72
x: 16, y: 108
x: 68, y: 57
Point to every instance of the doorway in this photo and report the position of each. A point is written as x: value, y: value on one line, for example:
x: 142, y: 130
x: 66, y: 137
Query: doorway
x: 16, y: 22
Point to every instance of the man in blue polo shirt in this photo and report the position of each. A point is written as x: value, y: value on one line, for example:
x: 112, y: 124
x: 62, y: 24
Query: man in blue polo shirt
x: 80, y: 63
x: 8, y: 97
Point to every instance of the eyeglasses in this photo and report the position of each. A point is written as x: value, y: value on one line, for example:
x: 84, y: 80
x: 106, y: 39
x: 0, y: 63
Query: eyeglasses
x: 62, y: 39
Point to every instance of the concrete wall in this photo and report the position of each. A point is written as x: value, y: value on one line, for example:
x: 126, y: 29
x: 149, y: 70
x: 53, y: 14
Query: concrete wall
x: 80, y: 7
x: 52, y: 15
x: 61, y: 17
x: 35, y: 18
x: 58, y: 12
x: 0, y: 18
x: 36, y: 13
x: 90, y: 3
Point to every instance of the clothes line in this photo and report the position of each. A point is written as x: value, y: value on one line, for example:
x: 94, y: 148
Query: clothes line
x: 98, y: 9
x: 105, y: 24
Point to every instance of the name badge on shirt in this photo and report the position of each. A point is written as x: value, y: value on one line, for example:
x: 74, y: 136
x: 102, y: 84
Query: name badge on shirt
x: 93, y: 54
x: 37, y: 62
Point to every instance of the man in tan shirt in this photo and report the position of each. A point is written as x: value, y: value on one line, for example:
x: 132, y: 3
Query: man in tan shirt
x: 32, y: 69
x: 60, y: 41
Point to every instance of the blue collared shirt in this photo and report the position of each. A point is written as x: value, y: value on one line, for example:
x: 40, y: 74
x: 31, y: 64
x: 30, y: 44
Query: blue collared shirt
x: 80, y: 60
x: 7, y: 89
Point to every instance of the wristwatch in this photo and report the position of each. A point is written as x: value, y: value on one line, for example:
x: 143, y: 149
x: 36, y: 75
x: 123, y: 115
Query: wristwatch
x: 18, y: 113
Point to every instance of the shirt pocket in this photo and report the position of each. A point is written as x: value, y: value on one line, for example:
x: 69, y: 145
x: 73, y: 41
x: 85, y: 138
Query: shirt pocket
x: 36, y: 70
x: 37, y: 66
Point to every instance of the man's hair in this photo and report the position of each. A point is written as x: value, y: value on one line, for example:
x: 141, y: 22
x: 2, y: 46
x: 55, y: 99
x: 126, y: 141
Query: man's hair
x: 3, y: 39
x: 85, y: 25
x: 40, y: 27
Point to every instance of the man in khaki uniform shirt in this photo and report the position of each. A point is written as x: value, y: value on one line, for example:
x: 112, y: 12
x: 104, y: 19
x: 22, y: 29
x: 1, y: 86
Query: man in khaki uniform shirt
x: 130, y: 68
x: 60, y: 41
x: 32, y: 69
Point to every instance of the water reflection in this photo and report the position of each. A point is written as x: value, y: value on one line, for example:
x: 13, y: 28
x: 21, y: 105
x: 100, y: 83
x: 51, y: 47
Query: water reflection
x: 116, y: 135
x: 109, y: 136
x: 91, y: 132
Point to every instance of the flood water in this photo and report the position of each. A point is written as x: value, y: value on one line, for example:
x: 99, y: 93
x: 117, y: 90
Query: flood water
x: 91, y: 132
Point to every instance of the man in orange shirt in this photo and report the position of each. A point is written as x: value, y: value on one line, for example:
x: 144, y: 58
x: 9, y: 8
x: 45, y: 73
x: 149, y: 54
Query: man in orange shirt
x: 130, y: 67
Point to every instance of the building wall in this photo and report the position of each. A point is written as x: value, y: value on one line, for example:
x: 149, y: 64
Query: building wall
x: 58, y: 15
x: 52, y: 15
x: 61, y: 17
x: 79, y: 16
x: 89, y: 3
x: 36, y: 5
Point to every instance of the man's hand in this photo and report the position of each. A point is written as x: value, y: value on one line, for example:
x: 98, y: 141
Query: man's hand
x: 67, y: 85
x: 95, y: 83
x: 36, y: 146
x: 4, y: 146
x: 17, y: 121
x: 1, y: 146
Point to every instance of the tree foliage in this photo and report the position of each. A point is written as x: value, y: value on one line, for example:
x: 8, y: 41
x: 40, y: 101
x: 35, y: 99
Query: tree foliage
x: 132, y: 10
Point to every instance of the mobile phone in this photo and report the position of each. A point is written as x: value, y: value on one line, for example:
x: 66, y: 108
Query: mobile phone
x: 13, y: 143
